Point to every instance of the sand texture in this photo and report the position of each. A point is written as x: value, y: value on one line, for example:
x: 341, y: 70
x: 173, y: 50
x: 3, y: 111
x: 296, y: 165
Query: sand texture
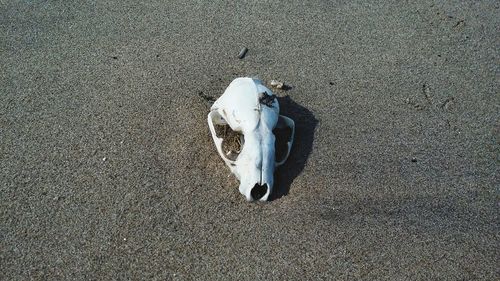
x: 108, y: 170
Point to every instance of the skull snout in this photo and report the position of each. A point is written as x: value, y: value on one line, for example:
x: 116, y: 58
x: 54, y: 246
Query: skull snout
x: 259, y: 192
x: 256, y: 190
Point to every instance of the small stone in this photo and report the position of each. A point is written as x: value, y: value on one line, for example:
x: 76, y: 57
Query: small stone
x: 413, y: 159
x: 104, y: 159
x: 277, y: 84
x: 243, y: 52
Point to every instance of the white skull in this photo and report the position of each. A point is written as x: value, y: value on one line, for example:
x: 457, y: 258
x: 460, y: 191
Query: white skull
x: 252, y: 110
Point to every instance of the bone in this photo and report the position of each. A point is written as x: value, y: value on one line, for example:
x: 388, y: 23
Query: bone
x: 251, y: 149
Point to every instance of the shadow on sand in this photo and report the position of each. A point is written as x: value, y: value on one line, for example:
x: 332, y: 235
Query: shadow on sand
x: 305, y: 125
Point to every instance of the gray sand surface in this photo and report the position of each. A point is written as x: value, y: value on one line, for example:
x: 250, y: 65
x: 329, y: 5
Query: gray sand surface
x: 108, y: 170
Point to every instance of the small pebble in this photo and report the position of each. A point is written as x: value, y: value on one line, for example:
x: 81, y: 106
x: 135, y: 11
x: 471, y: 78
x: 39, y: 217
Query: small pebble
x: 104, y: 159
x: 414, y: 159
x: 242, y: 53
x: 277, y: 84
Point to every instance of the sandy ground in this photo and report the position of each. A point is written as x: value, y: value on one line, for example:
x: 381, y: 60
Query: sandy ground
x: 108, y: 170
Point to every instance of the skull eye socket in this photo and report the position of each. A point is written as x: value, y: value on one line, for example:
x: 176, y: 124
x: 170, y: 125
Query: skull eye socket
x: 232, y: 141
x: 284, y: 133
x: 283, y: 136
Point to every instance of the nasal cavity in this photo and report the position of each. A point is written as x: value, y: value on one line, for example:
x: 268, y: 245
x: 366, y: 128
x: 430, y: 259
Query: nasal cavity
x: 258, y: 191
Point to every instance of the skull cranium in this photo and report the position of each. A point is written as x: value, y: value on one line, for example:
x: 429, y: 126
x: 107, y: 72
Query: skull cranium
x: 251, y: 111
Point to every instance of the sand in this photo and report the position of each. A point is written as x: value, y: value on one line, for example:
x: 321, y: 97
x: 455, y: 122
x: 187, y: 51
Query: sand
x: 108, y: 170
x: 232, y: 141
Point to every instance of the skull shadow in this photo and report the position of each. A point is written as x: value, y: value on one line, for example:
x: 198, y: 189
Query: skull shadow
x: 305, y: 125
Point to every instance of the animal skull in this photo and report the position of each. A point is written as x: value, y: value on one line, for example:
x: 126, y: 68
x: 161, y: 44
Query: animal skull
x: 250, y: 111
